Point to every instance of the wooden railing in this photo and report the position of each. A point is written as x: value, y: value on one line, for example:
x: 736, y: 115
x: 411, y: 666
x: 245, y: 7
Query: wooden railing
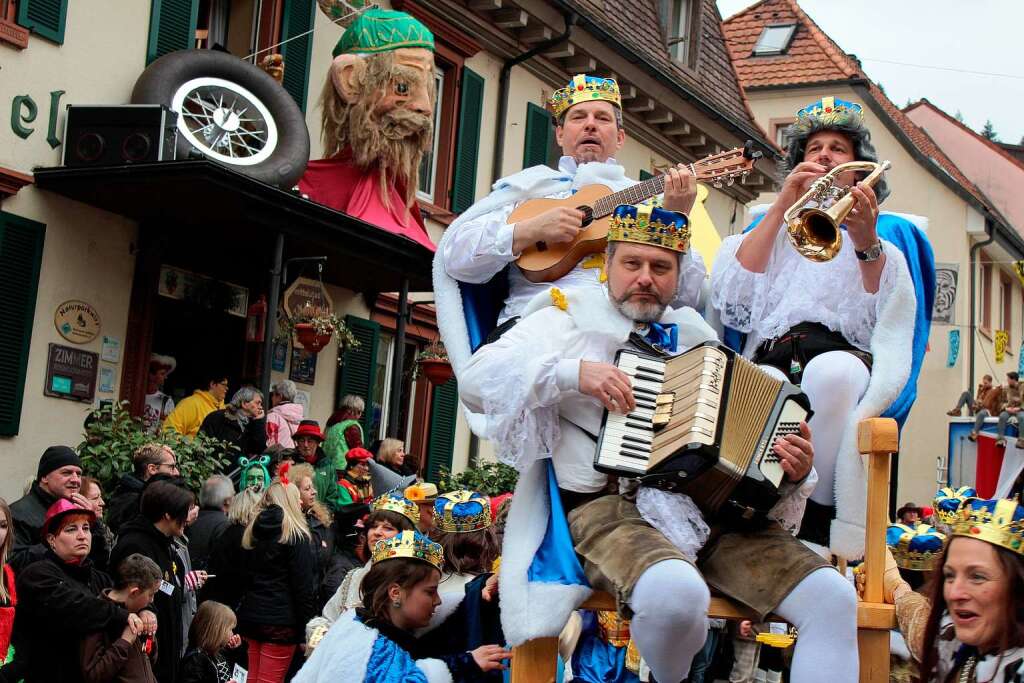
x: 877, y: 438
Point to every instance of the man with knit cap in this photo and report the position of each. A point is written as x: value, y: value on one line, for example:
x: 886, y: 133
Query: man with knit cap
x: 59, y: 475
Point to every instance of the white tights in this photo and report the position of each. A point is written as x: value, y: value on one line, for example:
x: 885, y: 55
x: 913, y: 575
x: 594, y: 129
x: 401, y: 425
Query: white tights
x: 834, y: 383
x: 670, y: 604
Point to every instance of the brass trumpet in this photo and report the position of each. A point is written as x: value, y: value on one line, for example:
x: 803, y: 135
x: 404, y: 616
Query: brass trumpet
x: 815, y: 232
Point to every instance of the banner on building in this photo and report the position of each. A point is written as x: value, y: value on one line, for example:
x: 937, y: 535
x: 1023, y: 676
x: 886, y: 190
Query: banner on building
x: 1020, y: 359
x: 954, y: 348
x: 947, y: 276
x: 1002, y: 341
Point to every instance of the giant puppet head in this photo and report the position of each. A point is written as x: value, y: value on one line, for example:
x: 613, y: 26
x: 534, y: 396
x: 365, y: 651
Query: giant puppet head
x: 378, y: 101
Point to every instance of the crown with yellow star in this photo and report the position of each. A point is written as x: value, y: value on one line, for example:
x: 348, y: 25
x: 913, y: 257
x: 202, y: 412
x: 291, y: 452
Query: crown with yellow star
x: 583, y: 88
x: 650, y: 225
x: 460, y: 512
x: 997, y: 521
x: 914, y: 548
x: 411, y: 545
x: 397, y: 503
x: 948, y: 501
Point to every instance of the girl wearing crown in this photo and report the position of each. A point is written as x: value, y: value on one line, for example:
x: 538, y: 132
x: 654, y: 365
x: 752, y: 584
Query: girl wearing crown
x: 970, y: 626
x: 375, y: 643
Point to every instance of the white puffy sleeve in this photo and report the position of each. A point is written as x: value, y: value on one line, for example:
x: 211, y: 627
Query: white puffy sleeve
x: 477, y: 249
x: 859, y: 311
x: 739, y: 295
x: 517, y: 382
x: 692, y: 273
x: 789, y: 511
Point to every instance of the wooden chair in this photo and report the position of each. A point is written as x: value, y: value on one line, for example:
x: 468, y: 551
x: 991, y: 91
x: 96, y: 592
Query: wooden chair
x: 535, y: 661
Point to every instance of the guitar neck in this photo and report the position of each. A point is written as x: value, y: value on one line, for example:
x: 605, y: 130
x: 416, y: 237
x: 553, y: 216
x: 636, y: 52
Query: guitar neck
x: 634, y: 194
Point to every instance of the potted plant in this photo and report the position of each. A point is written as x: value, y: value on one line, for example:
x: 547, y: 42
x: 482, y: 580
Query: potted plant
x: 313, y: 328
x: 433, y: 362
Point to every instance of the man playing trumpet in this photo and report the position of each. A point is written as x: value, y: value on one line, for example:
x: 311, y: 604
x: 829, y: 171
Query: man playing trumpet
x: 830, y: 326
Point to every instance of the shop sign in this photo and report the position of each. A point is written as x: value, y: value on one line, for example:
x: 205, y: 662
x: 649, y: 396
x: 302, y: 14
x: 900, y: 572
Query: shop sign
x: 77, y: 321
x: 303, y: 367
x: 305, y: 292
x: 176, y: 283
x: 71, y: 373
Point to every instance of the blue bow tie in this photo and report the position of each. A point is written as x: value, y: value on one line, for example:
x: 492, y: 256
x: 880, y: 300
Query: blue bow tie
x: 665, y: 337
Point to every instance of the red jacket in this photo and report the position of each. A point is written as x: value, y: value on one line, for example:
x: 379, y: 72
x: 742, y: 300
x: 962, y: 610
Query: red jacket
x: 7, y: 611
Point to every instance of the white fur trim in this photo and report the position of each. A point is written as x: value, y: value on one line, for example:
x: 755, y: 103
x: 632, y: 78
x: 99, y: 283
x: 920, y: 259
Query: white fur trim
x: 892, y: 351
x: 435, y: 670
x: 346, y: 648
x: 530, y: 609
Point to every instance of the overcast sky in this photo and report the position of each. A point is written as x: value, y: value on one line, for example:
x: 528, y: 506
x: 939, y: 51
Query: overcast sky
x: 977, y: 44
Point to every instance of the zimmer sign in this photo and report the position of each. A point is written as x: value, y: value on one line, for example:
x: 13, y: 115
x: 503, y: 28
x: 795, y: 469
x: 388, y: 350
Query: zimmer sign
x: 71, y: 373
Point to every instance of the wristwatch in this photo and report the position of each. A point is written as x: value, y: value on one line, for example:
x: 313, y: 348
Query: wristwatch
x: 872, y: 253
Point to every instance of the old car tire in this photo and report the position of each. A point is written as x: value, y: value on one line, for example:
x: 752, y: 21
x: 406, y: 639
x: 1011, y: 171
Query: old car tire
x: 231, y: 112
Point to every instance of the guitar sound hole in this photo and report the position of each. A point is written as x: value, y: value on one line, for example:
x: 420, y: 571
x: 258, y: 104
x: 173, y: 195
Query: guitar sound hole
x: 588, y: 214
x: 542, y: 245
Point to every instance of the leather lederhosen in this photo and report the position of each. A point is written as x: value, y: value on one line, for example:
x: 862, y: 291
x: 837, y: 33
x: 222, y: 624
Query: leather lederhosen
x: 792, y: 351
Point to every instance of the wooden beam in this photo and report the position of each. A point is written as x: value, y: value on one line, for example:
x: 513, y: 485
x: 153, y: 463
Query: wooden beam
x: 642, y: 104
x: 627, y: 91
x: 678, y: 128
x: 580, y: 64
x: 484, y: 5
x: 511, y: 17
x: 695, y: 140
x: 753, y: 178
x: 659, y: 118
x: 535, y: 33
x: 561, y: 51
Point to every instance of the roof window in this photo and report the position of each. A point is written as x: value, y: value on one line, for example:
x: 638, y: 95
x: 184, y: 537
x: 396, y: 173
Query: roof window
x: 774, y: 40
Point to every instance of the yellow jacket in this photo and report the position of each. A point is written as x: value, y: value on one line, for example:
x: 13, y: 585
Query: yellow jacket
x: 188, y: 415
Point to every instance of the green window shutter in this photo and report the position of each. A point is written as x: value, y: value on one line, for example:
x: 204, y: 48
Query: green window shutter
x: 467, y: 148
x: 172, y: 27
x: 297, y: 20
x: 443, y: 416
x: 21, y: 253
x: 45, y: 18
x: 540, y: 137
x: 359, y: 366
x: 645, y: 175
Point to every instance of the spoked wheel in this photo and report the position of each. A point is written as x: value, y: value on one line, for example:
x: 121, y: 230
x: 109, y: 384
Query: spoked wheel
x: 231, y: 112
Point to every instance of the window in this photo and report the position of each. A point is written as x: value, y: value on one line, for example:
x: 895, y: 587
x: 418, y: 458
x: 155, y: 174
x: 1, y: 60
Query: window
x: 10, y: 31
x: 428, y: 165
x: 774, y: 40
x: 986, y: 296
x: 46, y: 18
x: 1005, y: 303
x: 779, y: 127
x: 680, y: 19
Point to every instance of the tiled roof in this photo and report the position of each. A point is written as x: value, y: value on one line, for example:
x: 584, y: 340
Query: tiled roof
x: 995, y: 147
x: 637, y: 25
x: 813, y: 58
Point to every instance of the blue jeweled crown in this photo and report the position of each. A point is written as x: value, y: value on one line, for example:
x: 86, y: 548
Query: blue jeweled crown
x: 915, y: 548
x: 583, y: 88
x: 397, y: 503
x: 998, y: 521
x: 828, y: 112
x: 461, y: 512
x: 948, y: 501
x: 409, y: 544
x: 649, y: 225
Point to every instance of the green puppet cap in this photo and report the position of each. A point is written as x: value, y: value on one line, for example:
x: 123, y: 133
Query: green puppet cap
x: 380, y: 30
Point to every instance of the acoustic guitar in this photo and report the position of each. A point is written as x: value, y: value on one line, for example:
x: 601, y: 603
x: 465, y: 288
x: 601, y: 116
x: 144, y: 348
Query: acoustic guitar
x: 544, y: 262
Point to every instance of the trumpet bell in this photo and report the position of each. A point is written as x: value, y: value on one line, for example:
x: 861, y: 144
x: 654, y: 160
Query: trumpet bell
x: 814, y: 235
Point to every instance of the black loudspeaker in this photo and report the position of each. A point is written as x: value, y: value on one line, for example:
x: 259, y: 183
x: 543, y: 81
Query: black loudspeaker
x: 118, y: 135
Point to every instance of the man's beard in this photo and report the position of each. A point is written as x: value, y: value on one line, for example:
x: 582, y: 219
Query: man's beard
x: 393, y: 141
x: 640, y: 312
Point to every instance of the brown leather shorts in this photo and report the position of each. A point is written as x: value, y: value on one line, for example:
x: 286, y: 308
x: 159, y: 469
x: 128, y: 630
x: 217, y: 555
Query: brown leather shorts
x: 757, y: 568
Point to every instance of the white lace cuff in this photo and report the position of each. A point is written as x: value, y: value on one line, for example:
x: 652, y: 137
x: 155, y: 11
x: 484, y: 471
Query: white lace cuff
x: 567, y: 374
x: 738, y: 294
x: 789, y: 511
x: 676, y: 516
x: 522, y: 431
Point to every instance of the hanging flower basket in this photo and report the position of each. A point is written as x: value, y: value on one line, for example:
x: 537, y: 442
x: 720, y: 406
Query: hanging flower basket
x: 308, y: 338
x: 433, y: 362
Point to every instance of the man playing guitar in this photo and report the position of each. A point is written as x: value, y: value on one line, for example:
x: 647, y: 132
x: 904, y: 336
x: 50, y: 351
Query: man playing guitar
x: 589, y: 129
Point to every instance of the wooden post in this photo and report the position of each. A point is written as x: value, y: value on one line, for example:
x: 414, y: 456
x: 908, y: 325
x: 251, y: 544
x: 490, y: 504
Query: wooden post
x: 535, y: 661
x: 877, y: 438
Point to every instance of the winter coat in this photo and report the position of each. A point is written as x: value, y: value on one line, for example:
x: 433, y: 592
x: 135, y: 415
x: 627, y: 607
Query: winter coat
x: 7, y: 610
x: 282, y: 421
x: 330, y: 565
x: 59, y: 605
x: 199, y: 667
x: 124, y: 502
x: 108, y: 658
x: 325, y: 481
x: 188, y: 416
x: 280, y: 592
x: 28, y: 513
x: 250, y: 439
x: 228, y: 562
x: 203, y: 534
x: 340, y: 438
x: 141, y: 536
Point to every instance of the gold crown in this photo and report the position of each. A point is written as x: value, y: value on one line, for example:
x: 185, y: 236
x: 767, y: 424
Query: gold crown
x: 998, y: 521
x: 583, y: 88
x: 396, y: 503
x: 460, y: 512
x: 948, y: 501
x: 411, y: 545
x: 650, y: 225
x: 914, y: 548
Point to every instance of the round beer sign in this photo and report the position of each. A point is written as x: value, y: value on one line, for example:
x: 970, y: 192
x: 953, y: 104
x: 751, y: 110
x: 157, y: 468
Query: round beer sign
x: 77, y: 321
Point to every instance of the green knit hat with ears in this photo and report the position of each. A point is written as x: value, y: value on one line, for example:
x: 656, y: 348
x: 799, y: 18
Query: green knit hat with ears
x: 380, y: 30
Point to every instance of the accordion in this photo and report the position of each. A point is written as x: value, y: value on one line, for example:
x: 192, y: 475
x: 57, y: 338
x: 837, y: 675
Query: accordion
x: 704, y: 425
